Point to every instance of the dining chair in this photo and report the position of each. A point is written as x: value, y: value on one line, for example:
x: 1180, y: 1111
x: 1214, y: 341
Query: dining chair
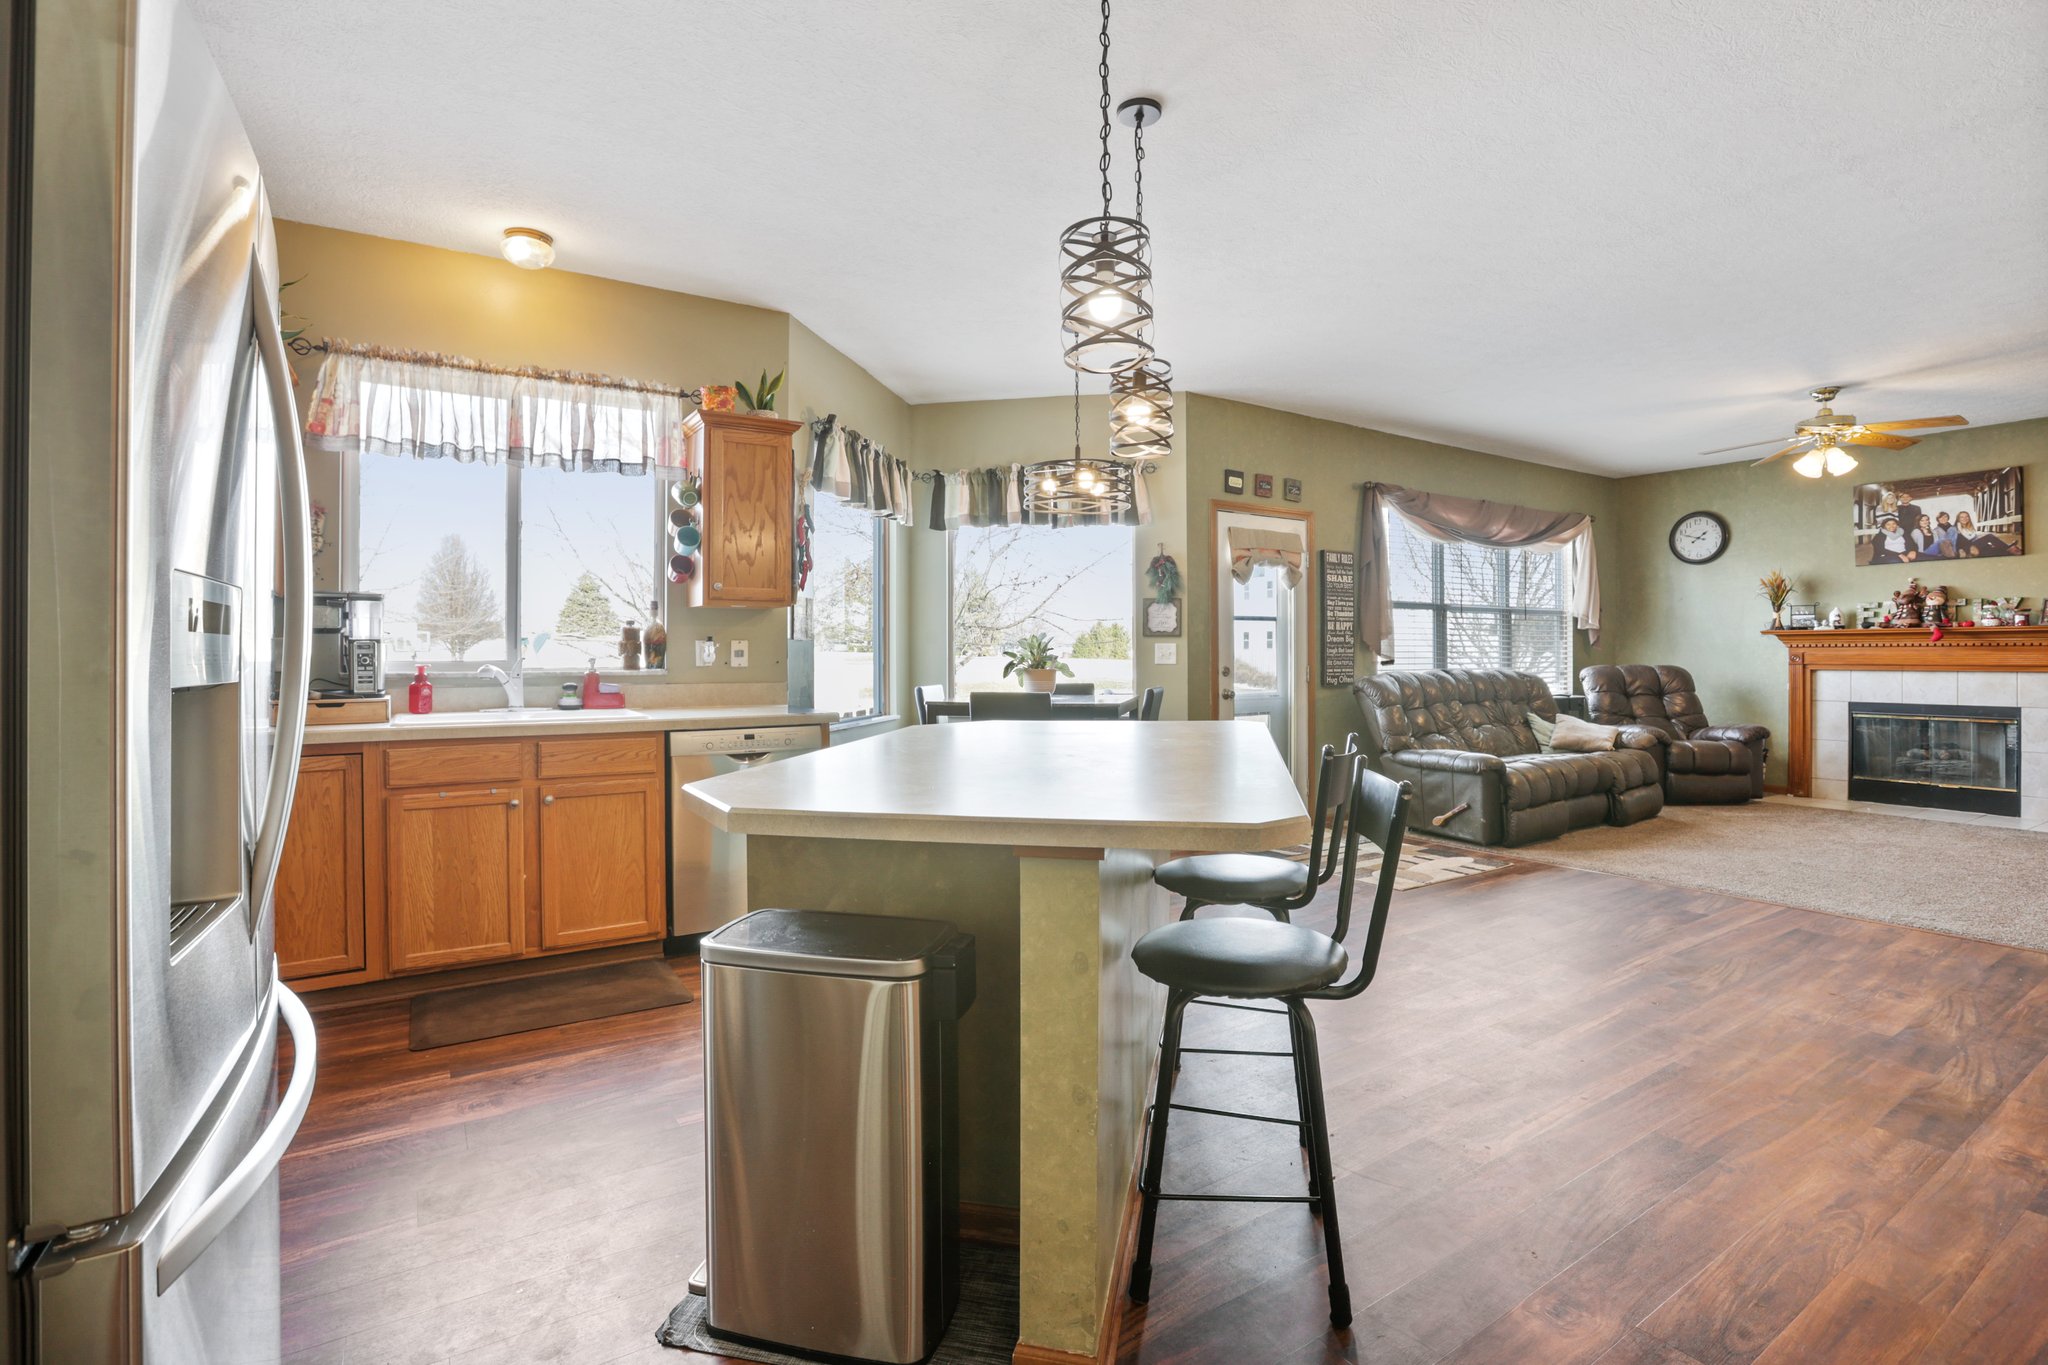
x: 1009, y: 706
x: 1153, y: 704
x: 1073, y: 689
x: 922, y: 697
x: 1268, y: 959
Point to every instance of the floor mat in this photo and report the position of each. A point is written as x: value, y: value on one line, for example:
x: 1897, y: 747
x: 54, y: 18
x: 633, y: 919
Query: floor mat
x: 464, y: 1014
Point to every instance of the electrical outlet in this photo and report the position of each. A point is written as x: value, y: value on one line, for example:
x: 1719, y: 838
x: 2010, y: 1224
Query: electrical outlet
x: 707, y: 652
x: 739, y: 653
x: 1165, y: 652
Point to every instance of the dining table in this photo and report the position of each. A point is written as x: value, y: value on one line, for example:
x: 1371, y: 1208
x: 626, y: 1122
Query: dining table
x: 1065, y: 706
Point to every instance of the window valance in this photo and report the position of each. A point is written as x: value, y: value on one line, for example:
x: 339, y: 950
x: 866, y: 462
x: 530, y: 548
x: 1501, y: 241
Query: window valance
x: 995, y: 497
x: 1473, y: 521
x: 371, y: 401
x: 858, y: 472
x: 1251, y: 547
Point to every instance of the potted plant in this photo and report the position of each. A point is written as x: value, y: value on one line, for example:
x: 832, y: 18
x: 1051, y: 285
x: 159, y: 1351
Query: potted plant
x: 1775, y: 588
x: 1035, y: 661
x: 761, y: 400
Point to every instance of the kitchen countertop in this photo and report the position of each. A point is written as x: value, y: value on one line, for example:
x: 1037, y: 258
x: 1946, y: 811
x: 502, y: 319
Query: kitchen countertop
x: 504, y: 725
x: 1208, y: 785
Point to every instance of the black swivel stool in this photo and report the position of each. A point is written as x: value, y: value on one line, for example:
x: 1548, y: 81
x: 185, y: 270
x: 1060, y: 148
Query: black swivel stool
x: 1270, y: 959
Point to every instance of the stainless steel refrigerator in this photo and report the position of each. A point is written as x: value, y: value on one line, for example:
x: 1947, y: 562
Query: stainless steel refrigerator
x: 159, y: 573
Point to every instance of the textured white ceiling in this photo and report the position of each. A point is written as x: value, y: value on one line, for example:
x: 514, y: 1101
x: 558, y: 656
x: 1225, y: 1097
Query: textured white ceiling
x: 1606, y: 234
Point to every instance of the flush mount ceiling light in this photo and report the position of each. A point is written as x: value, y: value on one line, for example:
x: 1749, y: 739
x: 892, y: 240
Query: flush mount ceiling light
x: 1105, y: 270
x: 1082, y: 486
x: 528, y: 248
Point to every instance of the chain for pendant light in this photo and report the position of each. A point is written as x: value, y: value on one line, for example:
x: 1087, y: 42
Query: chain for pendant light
x: 1102, y: 70
x: 1105, y: 273
x: 1138, y: 157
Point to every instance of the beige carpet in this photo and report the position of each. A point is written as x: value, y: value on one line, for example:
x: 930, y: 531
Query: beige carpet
x: 1962, y: 879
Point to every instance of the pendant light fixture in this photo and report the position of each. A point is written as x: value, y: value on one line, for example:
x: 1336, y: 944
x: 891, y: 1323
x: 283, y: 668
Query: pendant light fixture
x: 1141, y: 393
x: 1079, y: 487
x: 1105, y: 271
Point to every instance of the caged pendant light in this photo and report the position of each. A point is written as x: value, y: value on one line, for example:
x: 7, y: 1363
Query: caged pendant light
x: 1141, y: 393
x: 1081, y: 486
x: 1106, y: 271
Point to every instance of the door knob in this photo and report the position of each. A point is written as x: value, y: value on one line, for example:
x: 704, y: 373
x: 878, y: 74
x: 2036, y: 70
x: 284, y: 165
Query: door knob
x: 1230, y: 696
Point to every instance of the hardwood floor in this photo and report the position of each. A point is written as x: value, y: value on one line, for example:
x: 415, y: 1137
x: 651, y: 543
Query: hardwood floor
x: 1580, y: 1118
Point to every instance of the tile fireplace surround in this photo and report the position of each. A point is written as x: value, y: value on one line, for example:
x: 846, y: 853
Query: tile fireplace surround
x: 2004, y: 666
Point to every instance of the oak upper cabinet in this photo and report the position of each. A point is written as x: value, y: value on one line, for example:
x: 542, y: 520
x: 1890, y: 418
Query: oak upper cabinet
x: 749, y: 487
x: 455, y: 876
x: 602, y: 861
x: 320, y: 878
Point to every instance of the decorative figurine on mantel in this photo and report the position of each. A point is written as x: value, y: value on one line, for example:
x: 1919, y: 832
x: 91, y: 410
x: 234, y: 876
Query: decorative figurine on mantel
x: 1835, y: 618
x: 1906, y: 605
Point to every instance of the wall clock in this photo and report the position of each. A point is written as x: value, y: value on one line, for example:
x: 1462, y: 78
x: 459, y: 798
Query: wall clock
x: 1699, y: 537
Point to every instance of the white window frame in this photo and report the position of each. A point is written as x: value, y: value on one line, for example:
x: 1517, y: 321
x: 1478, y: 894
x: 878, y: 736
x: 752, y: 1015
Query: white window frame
x: 879, y: 628
x: 351, y: 500
x: 1440, y: 610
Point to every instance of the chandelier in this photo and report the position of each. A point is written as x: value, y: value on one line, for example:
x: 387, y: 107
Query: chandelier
x: 1082, y: 486
x: 1105, y: 270
x: 1141, y: 392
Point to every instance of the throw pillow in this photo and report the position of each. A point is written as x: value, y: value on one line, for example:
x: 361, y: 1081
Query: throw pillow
x: 1542, y: 729
x: 1582, y: 736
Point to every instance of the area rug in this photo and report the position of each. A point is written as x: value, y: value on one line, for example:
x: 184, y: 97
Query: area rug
x: 1422, y: 864
x: 1958, y: 878
x: 983, y: 1330
x: 464, y: 1014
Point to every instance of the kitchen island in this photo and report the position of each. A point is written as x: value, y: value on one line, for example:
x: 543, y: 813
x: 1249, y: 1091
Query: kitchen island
x: 1038, y: 837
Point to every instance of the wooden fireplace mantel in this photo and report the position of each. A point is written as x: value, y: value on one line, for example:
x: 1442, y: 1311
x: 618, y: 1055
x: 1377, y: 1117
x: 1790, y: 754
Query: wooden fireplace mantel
x: 1961, y: 649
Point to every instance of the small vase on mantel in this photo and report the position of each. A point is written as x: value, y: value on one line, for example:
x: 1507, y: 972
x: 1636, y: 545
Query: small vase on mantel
x: 1777, y: 620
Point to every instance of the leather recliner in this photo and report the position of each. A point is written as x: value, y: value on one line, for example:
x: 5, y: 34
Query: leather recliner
x: 1702, y: 764
x: 1462, y: 737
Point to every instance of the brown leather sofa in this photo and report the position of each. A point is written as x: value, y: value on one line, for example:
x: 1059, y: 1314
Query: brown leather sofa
x: 1462, y: 737
x: 1702, y: 764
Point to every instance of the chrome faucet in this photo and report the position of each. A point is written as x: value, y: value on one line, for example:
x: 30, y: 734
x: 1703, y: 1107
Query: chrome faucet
x: 514, y: 683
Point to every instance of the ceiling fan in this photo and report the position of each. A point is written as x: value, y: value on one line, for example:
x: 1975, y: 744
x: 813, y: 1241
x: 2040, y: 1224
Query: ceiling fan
x: 1823, y: 436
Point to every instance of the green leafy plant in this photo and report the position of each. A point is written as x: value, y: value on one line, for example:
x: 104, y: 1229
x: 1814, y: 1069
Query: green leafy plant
x: 1032, y: 653
x: 762, y: 398
x: 1164, y: 575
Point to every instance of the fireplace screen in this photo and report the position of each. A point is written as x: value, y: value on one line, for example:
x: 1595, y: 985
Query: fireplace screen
x: 1953, y: 757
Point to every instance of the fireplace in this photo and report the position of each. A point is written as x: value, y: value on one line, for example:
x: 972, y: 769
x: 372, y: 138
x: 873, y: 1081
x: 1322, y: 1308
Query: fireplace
x: 1964, y: 758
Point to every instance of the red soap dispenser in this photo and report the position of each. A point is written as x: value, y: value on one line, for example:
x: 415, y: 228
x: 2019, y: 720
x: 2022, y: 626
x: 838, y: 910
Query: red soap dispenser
x: 599, y: 695
x: 419, y: 698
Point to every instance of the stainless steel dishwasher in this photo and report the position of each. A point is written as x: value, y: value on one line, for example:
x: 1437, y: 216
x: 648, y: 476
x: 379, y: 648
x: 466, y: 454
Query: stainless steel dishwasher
x: 707, y: 868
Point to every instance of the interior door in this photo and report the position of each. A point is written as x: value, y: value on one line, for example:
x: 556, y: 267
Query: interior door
x: 1262, y: 635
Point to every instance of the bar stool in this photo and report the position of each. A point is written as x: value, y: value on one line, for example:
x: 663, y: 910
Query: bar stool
x: 1258, y: 959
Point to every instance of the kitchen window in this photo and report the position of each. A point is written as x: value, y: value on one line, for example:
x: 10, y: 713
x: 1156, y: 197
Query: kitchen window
x: 847, y: 608
x: 1472, y: 606
x: 458, y: 550
x: 1071, y: 583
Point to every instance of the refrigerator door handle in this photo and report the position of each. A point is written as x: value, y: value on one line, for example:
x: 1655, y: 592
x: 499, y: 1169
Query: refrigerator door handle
x: 294, y: 695
x: 191, y: 1239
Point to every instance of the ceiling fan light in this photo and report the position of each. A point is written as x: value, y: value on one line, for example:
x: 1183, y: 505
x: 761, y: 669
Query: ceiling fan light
x: 1812, y: 464
x: 1839, y: 461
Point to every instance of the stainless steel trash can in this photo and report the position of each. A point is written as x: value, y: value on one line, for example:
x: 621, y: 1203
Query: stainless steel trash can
x: 831, y: 1130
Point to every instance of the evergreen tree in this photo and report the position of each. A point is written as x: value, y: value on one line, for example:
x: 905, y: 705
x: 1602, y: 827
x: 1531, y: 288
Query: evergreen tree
x: 586, y: 613
x: 1103, y: 640
x: 457, y: 605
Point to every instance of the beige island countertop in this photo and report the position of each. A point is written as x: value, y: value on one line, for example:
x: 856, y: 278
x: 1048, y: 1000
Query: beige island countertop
x: 1204, y: 785
x: 1039, y: 838
x: 539, y: 721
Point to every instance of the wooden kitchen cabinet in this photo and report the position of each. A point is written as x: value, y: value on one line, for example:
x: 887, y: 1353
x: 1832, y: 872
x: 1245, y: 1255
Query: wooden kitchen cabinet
x: 749, y: 506
x: 320, y: 877
x: 603, y: 861
x: 455, y: 876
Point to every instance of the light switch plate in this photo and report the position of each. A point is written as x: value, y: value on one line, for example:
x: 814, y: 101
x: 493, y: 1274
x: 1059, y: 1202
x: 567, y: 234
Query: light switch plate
x: 739, y: 653
x: 1165, y: 652
x: 707, y: 653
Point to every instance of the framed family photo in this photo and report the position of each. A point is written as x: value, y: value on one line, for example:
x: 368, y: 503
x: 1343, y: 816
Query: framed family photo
x: 1978, y: 515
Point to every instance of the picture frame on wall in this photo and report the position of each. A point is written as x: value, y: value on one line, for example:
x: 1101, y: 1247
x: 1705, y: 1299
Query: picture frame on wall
x: 1233, y: 481
x: 1262, y: 485
x: 1978, y: 514
x: 1162, y: 619
x: 1290, y: 489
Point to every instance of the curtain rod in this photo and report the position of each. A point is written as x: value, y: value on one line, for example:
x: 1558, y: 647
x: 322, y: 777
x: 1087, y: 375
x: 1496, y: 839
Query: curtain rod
x: 337, y: 346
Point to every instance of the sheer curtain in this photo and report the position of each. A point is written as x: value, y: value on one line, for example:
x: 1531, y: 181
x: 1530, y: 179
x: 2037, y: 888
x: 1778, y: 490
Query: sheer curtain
x: 428, y: 406
x: 1474, y: 521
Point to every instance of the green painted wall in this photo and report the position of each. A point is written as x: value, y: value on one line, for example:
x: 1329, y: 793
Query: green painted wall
x: 1708, y: 617
x: 1332, y: 459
